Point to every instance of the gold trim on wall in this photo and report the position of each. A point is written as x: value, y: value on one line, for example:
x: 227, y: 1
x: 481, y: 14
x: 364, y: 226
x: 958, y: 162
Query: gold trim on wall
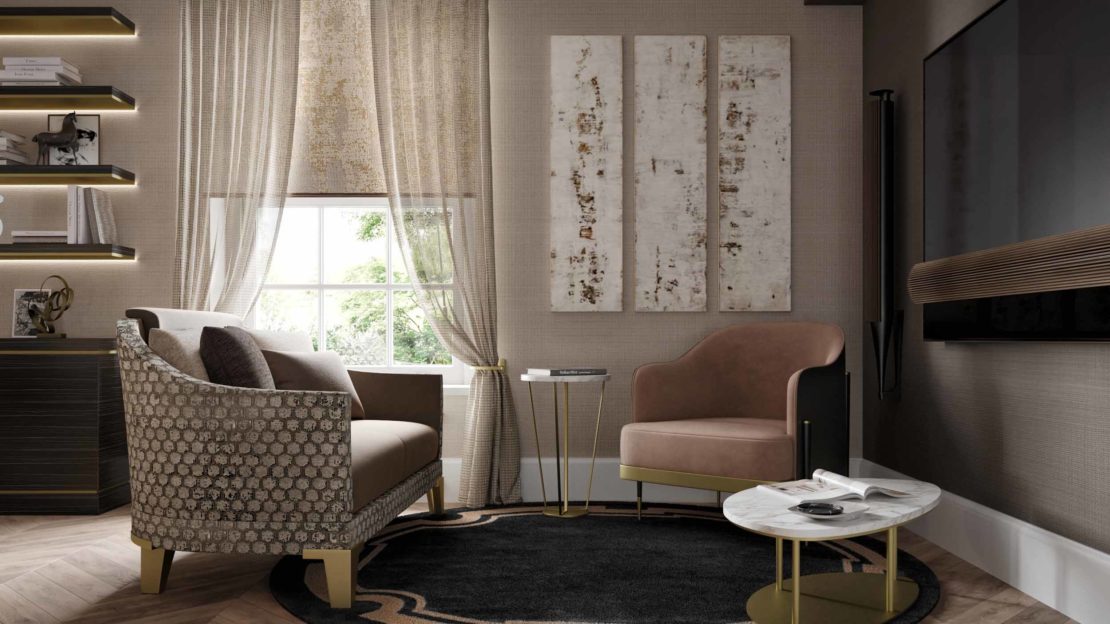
x: 1079, y: 259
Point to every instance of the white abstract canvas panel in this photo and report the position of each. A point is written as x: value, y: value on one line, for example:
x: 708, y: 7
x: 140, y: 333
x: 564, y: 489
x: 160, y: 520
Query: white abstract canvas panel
x: 586, y: 186
x: 670, y: 167
x: 754, y: 168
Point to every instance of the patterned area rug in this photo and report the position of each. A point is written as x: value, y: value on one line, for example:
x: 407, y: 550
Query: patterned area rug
x: 512, y: 564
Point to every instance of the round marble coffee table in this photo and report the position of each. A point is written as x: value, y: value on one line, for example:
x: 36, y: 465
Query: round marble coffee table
x: 834, y: 597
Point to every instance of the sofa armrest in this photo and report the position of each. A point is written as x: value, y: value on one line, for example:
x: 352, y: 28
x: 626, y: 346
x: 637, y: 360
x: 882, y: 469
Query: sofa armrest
x: 817, y: 417
x: 401, y: 396
x: 200, y: 451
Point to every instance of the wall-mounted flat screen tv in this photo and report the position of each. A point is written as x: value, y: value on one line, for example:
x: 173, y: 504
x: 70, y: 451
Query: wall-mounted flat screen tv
x: 1017, y: 147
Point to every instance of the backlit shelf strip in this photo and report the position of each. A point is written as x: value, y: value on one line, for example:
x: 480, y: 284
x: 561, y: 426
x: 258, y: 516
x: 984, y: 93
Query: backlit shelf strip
x: 65, y: 98
x: 90, y: 175
x: 59, y: 251
x: 64, y: 21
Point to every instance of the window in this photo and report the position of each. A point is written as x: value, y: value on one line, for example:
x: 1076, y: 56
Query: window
x: 337, y: 275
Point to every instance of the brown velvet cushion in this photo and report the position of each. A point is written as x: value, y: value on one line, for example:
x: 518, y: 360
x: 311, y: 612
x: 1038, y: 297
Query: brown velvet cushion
x: 386, y: 452
x: 312, y: 370
x: 741, y: 448
x: 233, y: 359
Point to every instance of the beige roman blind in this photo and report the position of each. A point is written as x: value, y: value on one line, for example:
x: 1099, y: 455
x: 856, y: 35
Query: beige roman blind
x: 1079, y: 259
x: 336, y: 148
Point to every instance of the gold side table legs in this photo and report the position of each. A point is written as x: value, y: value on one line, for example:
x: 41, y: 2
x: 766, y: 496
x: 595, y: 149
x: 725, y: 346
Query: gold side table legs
x: 833, y: 598
x: 562, y: 508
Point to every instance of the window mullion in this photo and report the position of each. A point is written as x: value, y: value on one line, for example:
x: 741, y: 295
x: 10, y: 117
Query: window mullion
x: 389, y: 233
x: 321, y: 332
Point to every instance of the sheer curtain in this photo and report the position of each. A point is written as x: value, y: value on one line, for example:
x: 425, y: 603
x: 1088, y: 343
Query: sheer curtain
x: 431, y: 83
x: 238, y: 97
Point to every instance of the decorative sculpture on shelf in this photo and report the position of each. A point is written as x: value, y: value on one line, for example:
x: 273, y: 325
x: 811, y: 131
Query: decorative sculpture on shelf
x: 66, y: 138
x: 56, y: 305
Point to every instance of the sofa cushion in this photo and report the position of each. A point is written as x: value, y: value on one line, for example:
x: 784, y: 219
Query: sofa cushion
x: 180, y: 348
x: 312, y: 370
x: 742, y: 448
x: 269, y: 340
x: 386, y: 452
x: 233, y: 359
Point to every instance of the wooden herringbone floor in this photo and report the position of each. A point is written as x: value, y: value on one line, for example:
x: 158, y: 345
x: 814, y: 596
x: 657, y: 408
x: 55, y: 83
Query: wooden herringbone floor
x: 85, y: 569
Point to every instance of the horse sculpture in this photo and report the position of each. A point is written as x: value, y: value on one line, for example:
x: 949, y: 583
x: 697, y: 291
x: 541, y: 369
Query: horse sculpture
x: 66, y: 138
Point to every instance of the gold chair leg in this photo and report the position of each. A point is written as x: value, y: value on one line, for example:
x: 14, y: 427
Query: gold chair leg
x: 154, y: 566
x: 339, y: 569
x: 435, y: 497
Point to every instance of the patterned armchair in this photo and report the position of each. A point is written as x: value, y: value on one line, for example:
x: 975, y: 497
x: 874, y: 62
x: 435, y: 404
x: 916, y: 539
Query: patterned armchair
x: 237, y: 470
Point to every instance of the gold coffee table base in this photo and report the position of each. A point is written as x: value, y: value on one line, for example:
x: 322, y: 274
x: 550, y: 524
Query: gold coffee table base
x: 833, y: 598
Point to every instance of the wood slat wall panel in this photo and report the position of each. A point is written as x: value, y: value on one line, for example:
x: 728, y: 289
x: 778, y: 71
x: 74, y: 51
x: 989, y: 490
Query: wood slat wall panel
x: 1079, y: 259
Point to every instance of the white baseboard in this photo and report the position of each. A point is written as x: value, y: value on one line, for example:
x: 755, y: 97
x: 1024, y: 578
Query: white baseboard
x: 1062, y: 573
x: 608, y: 485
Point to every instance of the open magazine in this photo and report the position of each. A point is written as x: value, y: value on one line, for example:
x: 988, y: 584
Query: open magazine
x: 829, y: 486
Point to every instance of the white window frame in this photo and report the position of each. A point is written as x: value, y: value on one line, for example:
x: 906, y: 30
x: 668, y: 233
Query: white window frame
x: 455, y: 376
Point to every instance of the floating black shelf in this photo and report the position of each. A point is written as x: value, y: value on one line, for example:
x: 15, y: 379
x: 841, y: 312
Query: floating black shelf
x: 43, y: 175
x: 65, y: 98
x: 62, y: 251
x: 38, y: 21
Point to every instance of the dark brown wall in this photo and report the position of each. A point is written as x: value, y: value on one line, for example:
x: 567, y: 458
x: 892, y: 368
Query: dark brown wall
x: 1022, y: 428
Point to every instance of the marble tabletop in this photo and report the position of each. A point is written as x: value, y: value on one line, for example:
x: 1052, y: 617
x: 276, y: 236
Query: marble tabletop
x: 767, y: 513
x: 565, y: 378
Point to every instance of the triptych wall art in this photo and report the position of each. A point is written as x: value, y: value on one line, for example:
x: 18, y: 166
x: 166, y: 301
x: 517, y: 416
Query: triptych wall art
x: 670, y: 162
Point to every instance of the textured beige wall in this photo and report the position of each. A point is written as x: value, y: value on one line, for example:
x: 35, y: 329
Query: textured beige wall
x: 143, y: 141
x: 1022, y: 428
x: 826, y: 52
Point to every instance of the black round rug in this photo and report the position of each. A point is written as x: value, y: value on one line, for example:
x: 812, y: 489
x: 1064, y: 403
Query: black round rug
x: 511, y: 563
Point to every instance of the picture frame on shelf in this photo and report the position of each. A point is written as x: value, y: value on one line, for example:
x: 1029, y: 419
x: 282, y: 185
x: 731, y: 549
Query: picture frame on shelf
x: 88, y: 141
x: 22, y: 301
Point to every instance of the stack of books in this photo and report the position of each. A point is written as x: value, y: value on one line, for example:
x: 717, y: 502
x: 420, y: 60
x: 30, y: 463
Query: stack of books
x: 89, y: 217
x: 22, y: 237
x: 38, y: 71
x: 11, y: 149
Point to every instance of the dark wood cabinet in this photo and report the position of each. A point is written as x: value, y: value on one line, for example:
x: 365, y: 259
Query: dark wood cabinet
x: 63, y: 447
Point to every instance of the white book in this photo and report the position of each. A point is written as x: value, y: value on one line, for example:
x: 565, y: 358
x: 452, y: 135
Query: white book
x: 13, y: 137
x: 50, y: 233
x: 15, y: 156
x: 57, y: 69
x: 8, y: 144
x: 828, y: 486
x: 40, y: 61
x: 22, y: 240
x: 102, y: 221
x: 84, y: 232
x: 32, y: 83
x: 71, y: 214
x: 19, y: 75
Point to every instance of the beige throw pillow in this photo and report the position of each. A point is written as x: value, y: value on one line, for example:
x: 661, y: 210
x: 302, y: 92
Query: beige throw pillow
x: 180, y: 348
x: 313, y: 370
x: 280, y: 340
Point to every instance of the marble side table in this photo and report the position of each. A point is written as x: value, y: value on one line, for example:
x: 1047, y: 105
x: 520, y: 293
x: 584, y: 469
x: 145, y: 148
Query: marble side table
x: 857, y: 598
x: 562, y: 509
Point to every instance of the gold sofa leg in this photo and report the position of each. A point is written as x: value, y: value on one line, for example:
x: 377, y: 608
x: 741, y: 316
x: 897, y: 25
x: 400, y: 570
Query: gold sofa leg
x: 339, y: 569
x: 154, y: 566
x: 435, y: 497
